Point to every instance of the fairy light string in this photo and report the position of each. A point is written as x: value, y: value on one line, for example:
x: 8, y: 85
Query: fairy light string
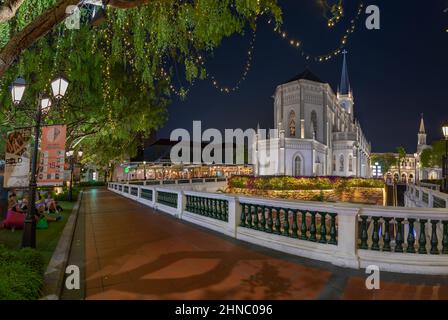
x: 297, y: 44
x: 283, y: 34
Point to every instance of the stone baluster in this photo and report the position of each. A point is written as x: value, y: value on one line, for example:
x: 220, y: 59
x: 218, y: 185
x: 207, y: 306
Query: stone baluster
x: 399, y: 237
x: 313, y: 229
x: 434, y: 239
x: 411, y: 237
x: 323, y: 228
x: 422, y: 237
x: 386, y: 236
x: 375, y: 234
x: 277, y: 221
x: 294, y: 227
x: 286, y: 223
x: 364, y: 235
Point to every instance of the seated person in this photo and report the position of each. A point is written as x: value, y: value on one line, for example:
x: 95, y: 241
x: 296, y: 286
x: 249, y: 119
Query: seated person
x: 52, y: 205
x: 42, y: 210
x: 13, y: 204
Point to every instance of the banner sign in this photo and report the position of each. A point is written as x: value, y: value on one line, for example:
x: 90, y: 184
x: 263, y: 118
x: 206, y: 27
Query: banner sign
x: 18, y: 159
x: 52, y: 156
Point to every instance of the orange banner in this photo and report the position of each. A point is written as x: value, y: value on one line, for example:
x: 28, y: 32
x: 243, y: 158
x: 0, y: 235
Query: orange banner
x: 52, y: 156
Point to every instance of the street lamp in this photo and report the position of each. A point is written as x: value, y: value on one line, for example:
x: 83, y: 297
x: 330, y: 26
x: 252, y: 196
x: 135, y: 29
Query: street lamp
x: 44, y: 104
x: 445, y: 163
x: 59, y: 87
x: 71, y: 155
x: 17, y: 90
x: 144, y: 170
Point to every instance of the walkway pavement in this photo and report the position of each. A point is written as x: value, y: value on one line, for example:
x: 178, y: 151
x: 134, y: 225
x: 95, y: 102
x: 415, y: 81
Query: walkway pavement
x: 132, y: 252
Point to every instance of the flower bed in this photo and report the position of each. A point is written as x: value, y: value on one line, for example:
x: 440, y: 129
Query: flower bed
x: 354, y: 190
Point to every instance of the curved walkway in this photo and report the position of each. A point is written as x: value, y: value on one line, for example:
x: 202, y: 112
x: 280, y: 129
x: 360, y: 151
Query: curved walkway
x: 133, y: 252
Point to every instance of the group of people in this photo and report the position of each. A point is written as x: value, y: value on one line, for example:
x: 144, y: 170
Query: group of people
x: 46, y: 208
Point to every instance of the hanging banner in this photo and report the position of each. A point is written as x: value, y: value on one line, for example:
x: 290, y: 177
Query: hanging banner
x: 52, y: 156
x: 18, y: 159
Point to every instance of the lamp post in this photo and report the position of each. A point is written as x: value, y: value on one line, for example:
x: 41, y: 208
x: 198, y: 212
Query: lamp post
x: 59, y: 87
x: 71, y: 155
x: 445, y: 163
x: 144, y: 170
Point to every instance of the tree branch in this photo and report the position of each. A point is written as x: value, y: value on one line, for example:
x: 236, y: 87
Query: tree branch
x: 8, y: 9
x: 45, y: 23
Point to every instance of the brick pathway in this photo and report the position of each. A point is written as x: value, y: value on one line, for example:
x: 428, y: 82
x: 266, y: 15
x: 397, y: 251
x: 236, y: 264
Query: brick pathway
x: 132, y: 252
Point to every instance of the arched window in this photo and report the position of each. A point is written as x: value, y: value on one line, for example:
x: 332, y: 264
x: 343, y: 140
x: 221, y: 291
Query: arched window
x: 350, y: 163
x: 314, y: 122
x: 334, y: 163
x: 341, y: 163
x: 292, y: 124
x: 297, y: 166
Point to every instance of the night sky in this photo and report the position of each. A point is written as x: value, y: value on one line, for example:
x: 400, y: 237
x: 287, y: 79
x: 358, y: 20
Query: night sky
x: 396, y: 73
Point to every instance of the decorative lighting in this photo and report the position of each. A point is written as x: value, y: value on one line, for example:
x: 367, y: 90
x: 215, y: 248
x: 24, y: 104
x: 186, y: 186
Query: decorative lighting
x: 328, y: 56
x: 45, y: 102
x: 445, y: 130
x: 17, y: 90
x: 59, y: 87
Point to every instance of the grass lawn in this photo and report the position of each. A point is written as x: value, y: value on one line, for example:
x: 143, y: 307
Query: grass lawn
x: 46, y: 240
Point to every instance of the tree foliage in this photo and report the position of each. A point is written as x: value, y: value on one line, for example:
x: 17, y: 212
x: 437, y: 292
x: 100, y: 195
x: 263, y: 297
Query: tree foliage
x: 385, y: 160
x: 120, y: 71
x: 432, y: 157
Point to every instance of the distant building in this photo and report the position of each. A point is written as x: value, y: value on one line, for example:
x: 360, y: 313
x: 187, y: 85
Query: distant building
x: 411, y: 169
x: 317, y: 133
x: 157, y: 165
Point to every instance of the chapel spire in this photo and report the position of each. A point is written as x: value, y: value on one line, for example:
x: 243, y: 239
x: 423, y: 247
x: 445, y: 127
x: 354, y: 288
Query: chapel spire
x: 422, y: 125
x: 421, y: 145
x: 344, y: 86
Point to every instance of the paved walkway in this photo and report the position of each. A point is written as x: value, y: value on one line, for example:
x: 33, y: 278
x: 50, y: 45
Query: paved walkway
x: 132, y: 252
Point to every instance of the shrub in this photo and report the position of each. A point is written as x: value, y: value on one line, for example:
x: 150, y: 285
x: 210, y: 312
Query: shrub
x: 302, y: 183
x: 21, y: 274
x: 92, y: 184
x: 64, y: 195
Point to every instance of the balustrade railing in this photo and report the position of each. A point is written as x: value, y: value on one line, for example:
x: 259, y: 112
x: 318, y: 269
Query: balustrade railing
x: 426, y: 196
x: 410, y: 240
x: 167, y: 198
x: 305, y: 225
x: 208, y: 207
x: 410, y: 235
x: 146, y: 194
x: 134, y: 191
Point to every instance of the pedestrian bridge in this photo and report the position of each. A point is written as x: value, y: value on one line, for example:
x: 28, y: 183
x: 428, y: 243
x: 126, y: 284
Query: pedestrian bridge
x: 404, y: 240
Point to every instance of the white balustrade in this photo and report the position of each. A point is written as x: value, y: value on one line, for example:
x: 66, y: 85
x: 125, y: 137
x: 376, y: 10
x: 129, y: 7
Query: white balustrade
x: 347, y: 235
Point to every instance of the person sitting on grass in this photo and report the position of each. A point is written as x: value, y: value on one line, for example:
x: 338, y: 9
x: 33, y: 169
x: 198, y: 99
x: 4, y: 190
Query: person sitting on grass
x: 52, y: 205
x: 13, y: 204
x: 43, y: 209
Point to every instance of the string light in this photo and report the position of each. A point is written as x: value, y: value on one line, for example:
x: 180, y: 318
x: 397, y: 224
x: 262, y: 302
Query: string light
x: 182, y: 92
x: 247, y: 67
x: 296, y: 44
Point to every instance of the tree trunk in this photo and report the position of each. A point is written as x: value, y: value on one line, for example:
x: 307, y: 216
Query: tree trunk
x: 32, y: 32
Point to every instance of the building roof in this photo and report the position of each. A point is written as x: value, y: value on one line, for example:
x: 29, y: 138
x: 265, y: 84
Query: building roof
x: 307, y: 74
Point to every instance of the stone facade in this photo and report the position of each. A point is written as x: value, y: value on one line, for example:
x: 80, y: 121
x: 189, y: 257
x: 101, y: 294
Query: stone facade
x: 411, y: 170
x: 315, y: 132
